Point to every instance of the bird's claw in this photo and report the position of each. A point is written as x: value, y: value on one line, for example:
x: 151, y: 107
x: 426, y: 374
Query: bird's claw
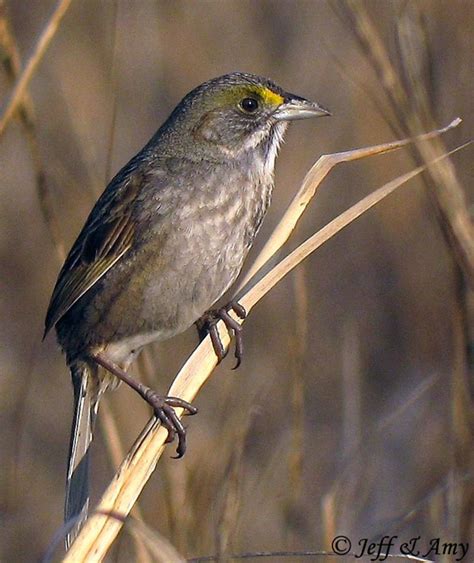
x: 164, y: 409
x: 207, y: 324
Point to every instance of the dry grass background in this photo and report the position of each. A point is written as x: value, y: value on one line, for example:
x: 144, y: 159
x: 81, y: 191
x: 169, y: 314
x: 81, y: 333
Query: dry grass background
x: 370, y: 336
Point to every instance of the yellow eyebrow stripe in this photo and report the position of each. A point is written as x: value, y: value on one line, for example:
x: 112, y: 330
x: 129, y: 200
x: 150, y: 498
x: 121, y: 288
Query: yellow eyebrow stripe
x: 270, y: 97
x: 267, y: 95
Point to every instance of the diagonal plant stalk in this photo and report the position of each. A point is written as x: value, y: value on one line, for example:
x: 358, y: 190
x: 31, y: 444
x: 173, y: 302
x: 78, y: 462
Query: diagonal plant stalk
x: 101, y: 529
x: 18, y: 94
x: 310, y: 185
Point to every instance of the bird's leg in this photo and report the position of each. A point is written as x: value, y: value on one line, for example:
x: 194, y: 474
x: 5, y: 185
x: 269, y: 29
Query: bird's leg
x: 163, y: 407
x: 207, y: 325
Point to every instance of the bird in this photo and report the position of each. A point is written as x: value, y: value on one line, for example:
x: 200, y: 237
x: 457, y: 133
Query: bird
x: 161, y: 246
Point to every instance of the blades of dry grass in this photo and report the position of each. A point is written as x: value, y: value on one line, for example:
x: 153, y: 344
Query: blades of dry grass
x: 44, y: 40
x: 100, y: 530
x: 312, y: 182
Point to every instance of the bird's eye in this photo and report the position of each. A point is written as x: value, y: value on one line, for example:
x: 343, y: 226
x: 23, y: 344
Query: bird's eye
x: 249, y: 105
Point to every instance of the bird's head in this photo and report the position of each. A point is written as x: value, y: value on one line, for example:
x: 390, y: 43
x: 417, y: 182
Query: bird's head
x: 237, y: 112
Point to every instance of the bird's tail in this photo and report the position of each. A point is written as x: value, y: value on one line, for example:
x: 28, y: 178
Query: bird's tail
x: 87, y: 392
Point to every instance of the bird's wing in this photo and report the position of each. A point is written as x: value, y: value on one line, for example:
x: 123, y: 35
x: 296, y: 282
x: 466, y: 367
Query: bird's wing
x: 107, y: 235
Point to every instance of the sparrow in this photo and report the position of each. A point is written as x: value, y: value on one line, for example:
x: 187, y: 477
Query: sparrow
x: 163, y: 243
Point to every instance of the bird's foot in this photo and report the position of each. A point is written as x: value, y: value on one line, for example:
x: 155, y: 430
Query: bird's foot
x: 207, y: 324
x: 164, y: 409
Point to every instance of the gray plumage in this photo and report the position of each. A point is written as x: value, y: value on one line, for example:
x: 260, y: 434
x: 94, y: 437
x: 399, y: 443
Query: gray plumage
x: 166, y: 239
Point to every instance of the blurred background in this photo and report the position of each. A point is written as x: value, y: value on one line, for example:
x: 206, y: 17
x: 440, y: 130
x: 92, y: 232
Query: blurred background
x: 351, y: 413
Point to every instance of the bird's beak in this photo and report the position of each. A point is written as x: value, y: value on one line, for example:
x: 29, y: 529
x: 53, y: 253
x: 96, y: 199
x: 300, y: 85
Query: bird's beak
x: 299, y: 108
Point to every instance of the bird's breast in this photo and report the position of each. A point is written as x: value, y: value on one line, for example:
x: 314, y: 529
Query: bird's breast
x: 211, y: 234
